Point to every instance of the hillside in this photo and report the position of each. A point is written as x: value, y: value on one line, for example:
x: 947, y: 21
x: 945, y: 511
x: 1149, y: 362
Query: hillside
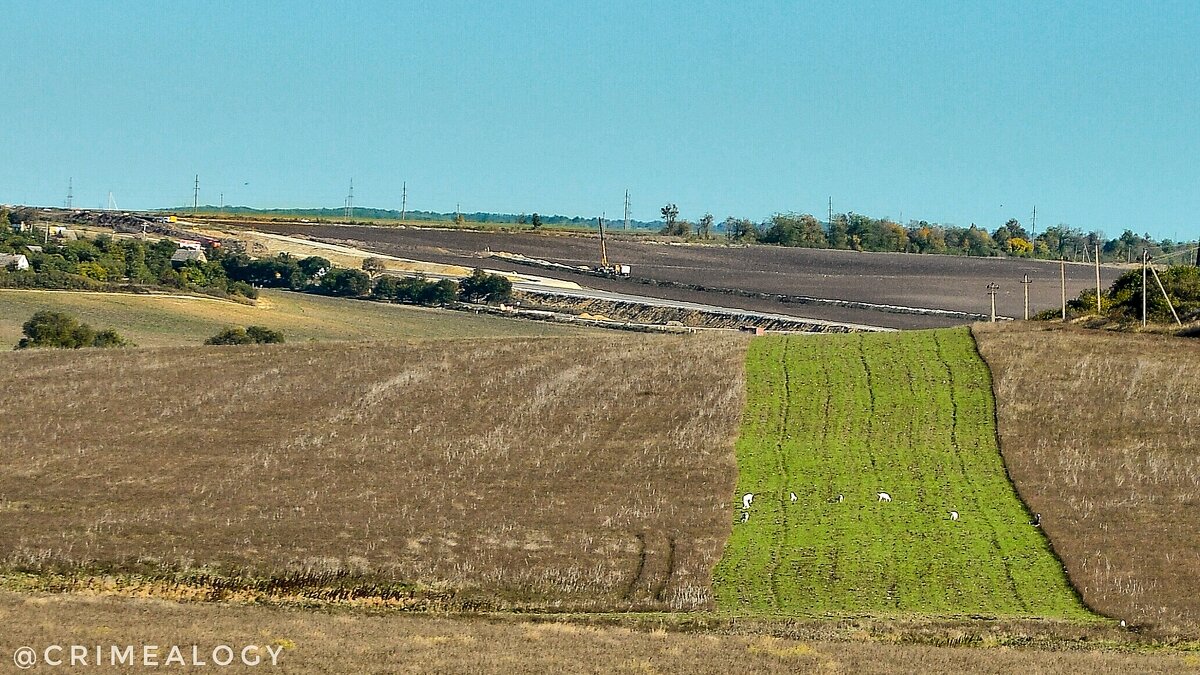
x: 555, y: 473
x: 836, y: 420
x: 156, y: 320
x: 1099, y: 433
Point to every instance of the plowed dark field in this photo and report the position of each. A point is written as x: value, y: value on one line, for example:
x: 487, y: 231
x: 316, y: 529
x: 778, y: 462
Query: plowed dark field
x: 941, y: 282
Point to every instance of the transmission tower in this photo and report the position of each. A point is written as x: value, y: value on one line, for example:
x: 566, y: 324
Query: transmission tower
x: 627, y: 209
x: 70, y: 192
x: 403, y: 200
x: 1033, y: 223
x: 350, y: 201
x: 112, y: 201
x: 196, y: 195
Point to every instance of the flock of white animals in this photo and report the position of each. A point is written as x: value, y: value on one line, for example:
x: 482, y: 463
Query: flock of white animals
x: 748, y: 499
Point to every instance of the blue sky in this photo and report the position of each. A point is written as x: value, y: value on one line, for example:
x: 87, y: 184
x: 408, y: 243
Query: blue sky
x: 956, y: 112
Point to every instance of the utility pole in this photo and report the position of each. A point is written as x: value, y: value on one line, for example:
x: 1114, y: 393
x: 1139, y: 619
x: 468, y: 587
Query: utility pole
x: 1062, y: 273
x: 403, y: 200
x: 603, y: 248
x: 222, y: 203
x: 70, y: 192
x: 196, y: 195
x: 1033, y: 223
x: 1099, y: 308
x: 1145, y: 260
x: 831, y: 211
x: 1025, y: 281
x: 1168, y: 297
x: 992, y: 288
x: 627, y: 211
x: 350, y: 201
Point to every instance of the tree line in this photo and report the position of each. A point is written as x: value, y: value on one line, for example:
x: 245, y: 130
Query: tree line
x: 857, y: 232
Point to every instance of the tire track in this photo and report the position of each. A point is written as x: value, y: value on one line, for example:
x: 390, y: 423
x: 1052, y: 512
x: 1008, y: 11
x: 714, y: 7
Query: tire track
x: 779, y: 541
x: 973, y: 490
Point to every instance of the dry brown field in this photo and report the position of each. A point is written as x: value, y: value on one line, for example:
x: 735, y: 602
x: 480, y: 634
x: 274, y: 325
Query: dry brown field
x: 588, y: 473
x: 1099, y: 431
x: 946, y: 282
x: 320, y: 642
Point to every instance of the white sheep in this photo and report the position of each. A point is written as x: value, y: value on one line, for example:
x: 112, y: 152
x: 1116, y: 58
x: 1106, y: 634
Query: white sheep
x: 794, y: 497
x: 954, y: 515
x: 884, y: 497
x: 747, y: 500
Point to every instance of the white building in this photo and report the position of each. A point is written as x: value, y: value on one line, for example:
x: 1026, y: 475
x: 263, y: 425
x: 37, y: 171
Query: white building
x: 8, y: 259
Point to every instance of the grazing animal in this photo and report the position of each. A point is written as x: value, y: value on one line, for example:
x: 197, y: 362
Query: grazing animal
x: 794, y: 497
x: 841, y: 498
x: 954, y: 515
x: 1037, y: 520
x: 884, y: 497
x: 1123, y: 623
x: 747, y: 500
x: 745, y: 516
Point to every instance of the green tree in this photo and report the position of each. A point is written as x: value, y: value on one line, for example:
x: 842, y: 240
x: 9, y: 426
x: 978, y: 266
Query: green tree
x: 484, y: 287
x: 346, y: 283
x: 670, y: 213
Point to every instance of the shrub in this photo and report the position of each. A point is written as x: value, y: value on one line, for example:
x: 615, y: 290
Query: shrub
x: 245, y: 336
x: 63, y: 331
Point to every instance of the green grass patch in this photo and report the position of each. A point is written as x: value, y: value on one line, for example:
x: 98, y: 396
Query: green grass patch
x: 910, y: 414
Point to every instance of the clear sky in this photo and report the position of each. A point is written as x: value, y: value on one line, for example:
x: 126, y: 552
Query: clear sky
x: 956, y: 112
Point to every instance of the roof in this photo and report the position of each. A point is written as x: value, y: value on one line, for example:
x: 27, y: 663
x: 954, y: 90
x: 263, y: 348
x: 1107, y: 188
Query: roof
x: 186, y: 254
x: 7, y: 259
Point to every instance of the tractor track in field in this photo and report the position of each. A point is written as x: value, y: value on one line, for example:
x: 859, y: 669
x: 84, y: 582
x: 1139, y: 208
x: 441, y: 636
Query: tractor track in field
x: 779, y: 541
x: 972, y: 488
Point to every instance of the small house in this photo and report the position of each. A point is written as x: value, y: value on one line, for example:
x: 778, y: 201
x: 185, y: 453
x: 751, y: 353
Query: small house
x: 18, y: 261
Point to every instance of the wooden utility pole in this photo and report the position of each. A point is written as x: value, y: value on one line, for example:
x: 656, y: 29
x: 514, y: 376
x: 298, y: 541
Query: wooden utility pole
x: 1062, y: 273
x: 1164, y: 292
x: 992, y: 288
x: 1099, y: 308
x: 1145, y: 259
x: 1025, y: 281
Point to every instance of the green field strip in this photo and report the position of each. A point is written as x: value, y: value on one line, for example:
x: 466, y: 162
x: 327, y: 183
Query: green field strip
x: 910, y: 414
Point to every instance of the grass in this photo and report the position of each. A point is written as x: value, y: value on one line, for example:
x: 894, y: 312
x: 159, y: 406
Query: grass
x: 319, y: 642
x: 505, y: 473
x: 910, y: 414
x: 151, y: 320
x: 1099, y: 432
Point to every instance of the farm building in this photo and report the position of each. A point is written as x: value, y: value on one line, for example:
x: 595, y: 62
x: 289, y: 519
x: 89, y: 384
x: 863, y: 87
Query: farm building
x: 18, y: 260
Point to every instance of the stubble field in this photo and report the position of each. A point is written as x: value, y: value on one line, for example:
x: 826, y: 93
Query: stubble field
x: 1099, y: 433
x: 584, y: 473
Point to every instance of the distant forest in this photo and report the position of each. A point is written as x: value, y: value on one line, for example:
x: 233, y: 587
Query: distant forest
x: 848, y: 231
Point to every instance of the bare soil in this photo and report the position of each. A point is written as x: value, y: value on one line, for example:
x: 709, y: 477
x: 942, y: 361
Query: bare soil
x: 944, y: 282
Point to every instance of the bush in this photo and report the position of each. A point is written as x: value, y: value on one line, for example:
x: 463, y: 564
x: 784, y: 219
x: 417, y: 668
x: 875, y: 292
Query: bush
x: 245, y: 336
x: 63, y: 331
